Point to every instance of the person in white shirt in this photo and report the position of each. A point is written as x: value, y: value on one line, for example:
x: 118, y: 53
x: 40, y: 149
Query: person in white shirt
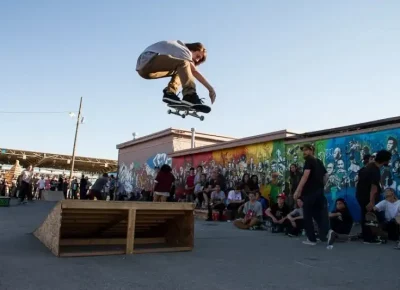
x: 391, y: 206
x: 41, y: 184
x: 25, y: 189
x: 235, y: 200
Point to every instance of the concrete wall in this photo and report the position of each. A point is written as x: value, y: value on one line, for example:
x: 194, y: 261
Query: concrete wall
x: 181, y: 143
x: 270, y: 161
x: 136, y: 163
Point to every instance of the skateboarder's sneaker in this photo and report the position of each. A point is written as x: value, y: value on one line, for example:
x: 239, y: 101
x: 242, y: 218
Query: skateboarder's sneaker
x: 171, y: 98
x: 192, y: 100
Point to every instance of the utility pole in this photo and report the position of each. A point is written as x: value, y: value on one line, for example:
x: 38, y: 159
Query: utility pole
x: 78, y: 121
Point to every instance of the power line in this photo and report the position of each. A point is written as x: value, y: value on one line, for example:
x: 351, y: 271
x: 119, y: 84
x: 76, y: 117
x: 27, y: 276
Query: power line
x: 65, y: 112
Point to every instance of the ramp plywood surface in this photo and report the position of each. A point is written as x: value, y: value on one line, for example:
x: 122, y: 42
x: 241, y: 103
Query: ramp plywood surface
x: 49, y: 232
x: 88, y: 228
x: 52, y: 195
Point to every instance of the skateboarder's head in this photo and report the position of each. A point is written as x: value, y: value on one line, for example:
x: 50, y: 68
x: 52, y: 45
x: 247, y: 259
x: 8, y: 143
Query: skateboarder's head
x: 199, y: 52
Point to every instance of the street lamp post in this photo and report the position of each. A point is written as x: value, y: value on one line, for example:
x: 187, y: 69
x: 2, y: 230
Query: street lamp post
x: 76, y: 137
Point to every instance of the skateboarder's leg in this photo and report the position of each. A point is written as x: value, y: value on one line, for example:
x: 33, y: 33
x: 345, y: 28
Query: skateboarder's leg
x: 164, y: 66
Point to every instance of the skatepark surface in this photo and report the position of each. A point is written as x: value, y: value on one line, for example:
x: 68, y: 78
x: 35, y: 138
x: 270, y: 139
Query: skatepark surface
x: 223, y: 258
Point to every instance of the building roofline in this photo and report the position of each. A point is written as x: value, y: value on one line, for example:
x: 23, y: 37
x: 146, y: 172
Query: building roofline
x: 175, y: 131
x: 277, y: 135
x: 352, y: 128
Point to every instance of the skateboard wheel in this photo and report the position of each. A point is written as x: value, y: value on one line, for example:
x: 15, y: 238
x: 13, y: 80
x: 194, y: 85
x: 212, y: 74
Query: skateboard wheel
x: 183, y: 116
x: 169, y: 111
x: 202, y: 118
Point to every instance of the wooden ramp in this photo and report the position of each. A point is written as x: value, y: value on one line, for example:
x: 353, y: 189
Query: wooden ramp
x: 92, y: 228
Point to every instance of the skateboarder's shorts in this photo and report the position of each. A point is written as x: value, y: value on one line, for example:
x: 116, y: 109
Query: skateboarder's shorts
x: 161, y: 193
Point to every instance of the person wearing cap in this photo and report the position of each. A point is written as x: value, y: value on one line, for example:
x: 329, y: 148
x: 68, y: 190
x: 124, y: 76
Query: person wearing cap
x: 277, y: 213
x: 311, y: 189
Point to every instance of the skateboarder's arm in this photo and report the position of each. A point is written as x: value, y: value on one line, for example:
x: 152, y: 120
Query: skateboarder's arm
x: 200, y: 77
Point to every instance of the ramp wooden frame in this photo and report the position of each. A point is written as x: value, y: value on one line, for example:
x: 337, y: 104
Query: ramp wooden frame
x: 92, y: 228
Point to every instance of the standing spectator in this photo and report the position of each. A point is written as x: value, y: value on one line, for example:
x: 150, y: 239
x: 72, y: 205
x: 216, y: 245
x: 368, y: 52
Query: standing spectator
x: 74, y: 188
x: 189, y: 187
x: 53, y: 184
x: 26, y: 177
x: 369, y: 188
x: 98, y: 187
x: 311, y: 189
x: 112, y: 186
x: 65, y: 187
x: 294, y: 180
x: 164, y: 182
x: 83, y: 187
x: 41, y: 186
x: 60, y: 183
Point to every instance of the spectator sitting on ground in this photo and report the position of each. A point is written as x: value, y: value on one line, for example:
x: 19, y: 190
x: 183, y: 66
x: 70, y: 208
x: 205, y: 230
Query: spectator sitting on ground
x: 253, y: 214
x: 295, y: 219
x: 208, y: 189
x: 391, y: 206
x: 264, y: 202
x: 235, y: 200
x: 277, y: 213
x: 217, y: 203
x: 341, y: 222
x: 199, y: 189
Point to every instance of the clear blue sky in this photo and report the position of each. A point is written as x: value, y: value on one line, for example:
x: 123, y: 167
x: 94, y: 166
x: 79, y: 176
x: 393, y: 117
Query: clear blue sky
x: 299, y: 65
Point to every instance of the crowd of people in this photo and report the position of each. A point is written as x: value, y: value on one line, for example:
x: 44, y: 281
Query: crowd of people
x: 304, y: 211
x: 29, y: 186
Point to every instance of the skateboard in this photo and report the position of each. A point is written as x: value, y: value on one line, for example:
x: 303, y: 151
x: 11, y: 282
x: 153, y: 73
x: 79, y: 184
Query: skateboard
x: 185, y: 110
x: 371, y: 220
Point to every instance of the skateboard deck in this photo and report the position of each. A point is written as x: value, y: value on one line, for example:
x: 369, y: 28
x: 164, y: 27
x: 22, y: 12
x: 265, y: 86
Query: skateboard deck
x: 185, y: 110
x: 371, y: 220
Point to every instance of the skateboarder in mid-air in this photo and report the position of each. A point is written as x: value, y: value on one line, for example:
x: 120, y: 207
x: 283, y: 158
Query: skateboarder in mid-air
x: 176, y: 60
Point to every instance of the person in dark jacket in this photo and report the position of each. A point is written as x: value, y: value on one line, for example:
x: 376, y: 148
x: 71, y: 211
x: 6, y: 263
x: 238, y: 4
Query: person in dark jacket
x: 341, y: 222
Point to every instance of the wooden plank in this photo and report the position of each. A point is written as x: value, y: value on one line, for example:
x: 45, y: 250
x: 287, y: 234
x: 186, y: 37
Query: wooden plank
x: 130, y: 236
x: 92, y: 253
x: 160, y: 212
x: 163, y: 250
x: 121, y: 205
x: 93, y: 211
x: 87, y: 216
x: 103, y: 242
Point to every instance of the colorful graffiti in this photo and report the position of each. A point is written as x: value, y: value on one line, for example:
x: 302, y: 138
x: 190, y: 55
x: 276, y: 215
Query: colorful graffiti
x: 265, y: 160
x: 140, y: 176
x: 343, y: 157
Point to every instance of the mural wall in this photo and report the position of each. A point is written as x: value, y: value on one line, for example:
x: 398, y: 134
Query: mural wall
x: 138, y: 176
x: 265, y: 160
x: 343, y: 159
x: 271, y: 162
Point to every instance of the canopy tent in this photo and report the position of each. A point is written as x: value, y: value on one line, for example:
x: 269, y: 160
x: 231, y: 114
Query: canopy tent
x: 56, y: 161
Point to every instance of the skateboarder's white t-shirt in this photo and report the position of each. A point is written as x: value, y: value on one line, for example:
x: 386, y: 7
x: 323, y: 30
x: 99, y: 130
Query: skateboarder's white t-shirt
x: 391, y: 209
x: 174, y: 48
